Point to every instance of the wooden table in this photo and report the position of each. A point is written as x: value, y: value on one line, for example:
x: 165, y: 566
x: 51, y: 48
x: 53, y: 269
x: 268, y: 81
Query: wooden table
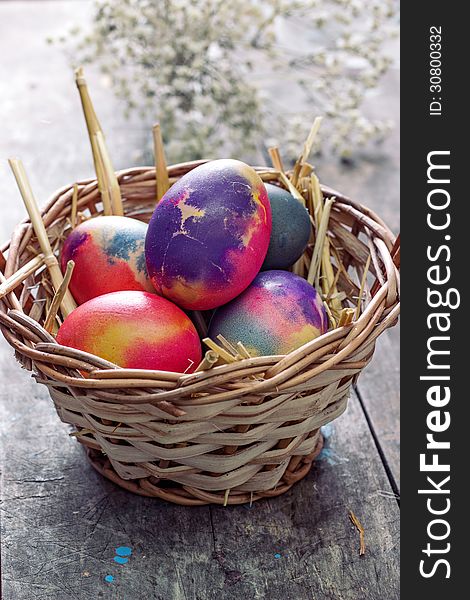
x: 61, y: 522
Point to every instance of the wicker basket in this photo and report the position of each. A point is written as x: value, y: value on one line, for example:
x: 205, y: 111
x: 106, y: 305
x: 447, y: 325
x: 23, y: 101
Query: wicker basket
x: 233, y: 434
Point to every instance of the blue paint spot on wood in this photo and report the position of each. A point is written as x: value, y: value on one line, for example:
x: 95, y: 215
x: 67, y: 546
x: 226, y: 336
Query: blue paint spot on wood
x: 109, y: 578
x: 123, y: 551
x: 121, y: 560
x: 277, y: 555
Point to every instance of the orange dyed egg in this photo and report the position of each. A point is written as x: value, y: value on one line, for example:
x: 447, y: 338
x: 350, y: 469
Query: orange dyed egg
x: 109, y: 257
x: 135, y: 330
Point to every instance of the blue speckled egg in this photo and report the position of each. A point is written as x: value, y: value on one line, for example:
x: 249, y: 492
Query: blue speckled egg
x: 290, y: 229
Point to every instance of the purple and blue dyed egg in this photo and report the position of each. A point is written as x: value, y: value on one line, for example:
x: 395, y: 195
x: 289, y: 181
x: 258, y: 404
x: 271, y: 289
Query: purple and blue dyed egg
x: 290, y: 231
x: 209, y: 235
x: 276, y: 314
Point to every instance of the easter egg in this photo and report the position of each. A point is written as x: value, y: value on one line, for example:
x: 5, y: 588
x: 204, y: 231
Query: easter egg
x: 109, y: 257
x: 209, y: 235
x: 290, y: 231
x: 134, y: 330
x: 276, y: 314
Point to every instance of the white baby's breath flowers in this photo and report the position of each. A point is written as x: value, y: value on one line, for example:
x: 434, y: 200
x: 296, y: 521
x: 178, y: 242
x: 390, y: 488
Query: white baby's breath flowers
x: 224, y: 77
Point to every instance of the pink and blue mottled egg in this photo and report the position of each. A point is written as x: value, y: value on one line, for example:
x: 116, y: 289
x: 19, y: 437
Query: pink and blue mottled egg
x: 276, y: 314
x: 209, y: 235
x: 134, y: 330
x: 109, y: 257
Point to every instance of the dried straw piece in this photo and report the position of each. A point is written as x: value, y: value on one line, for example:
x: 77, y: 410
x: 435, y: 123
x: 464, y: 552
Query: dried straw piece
x: 291, y: 188
x: 276, y: 159
x: 73, y: 212
x: 11, y: 295
x: 333, y: 286
x: 58, y: 297
x: 223, y: 354
x: 8, y: 285
x: 26, y: 321
x: 321, y: 259
x: 209, y: 360
x: 243, y: 351
x: 331, y: 318
x: 305, y: 172
x: 346, y: 316
x: 315, y: 266
x: 357, y: 524
x: 228, y: 346
x: 161, y: 171
x: 68, y: 303
x: 93, y: 127
x: 111, y: 182
x: 107, y: 181
x: 306, y: 150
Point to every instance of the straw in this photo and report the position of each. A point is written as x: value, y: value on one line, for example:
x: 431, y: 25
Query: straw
x: 8, y: 285
x: 73, y: 212
x: 346, y: 317
x: 291, y: 188
x: 224, y: 355
x: 112, y: 184
x: 306, y: 150
x: 12, y: 297
x: 243, y: 351
x: 106, y: 177
x: 321, y: 271
x: 276, y: 159
x: 68, y: 303
x: 357, y: 524
x: 228, y: 346
x: 161, y: 170
x: 58, y: 297
x: 315, y: 266
x: 209, y: 360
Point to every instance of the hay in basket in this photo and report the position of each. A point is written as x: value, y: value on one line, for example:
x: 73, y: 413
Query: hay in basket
x: 239, y: 428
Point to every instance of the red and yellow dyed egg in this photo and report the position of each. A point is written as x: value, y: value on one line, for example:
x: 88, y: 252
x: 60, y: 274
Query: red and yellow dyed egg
x: 134, y: 330
x: 209, y: 235
x: 276, y: 314
x: 109, y: 256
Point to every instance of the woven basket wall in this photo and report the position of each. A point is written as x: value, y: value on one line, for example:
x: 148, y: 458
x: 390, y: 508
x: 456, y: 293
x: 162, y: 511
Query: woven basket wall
x: 232, y: 434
